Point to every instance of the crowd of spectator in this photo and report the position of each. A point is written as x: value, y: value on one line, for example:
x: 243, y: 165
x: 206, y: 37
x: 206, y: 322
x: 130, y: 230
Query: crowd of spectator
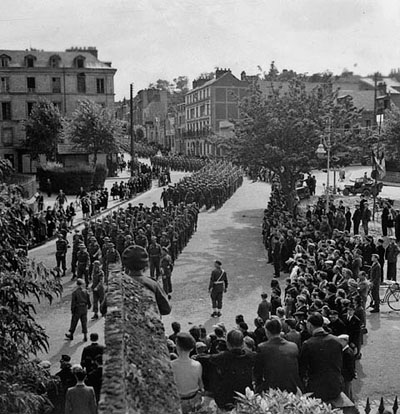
x: 76, y: 387
x: 308, y: 333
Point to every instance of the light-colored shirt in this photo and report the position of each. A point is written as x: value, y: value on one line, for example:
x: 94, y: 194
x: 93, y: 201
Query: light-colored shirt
x: 187, y: 374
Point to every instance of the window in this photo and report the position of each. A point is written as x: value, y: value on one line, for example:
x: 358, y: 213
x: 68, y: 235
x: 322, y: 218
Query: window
x: 30, y: 62
x: 80, y: 62
x: 4, y: 61
x: 31, y: 84
x: 29, y: 107
x: 56, y: 85
x: 4, y: 84
x: 7, y: 138
x: 6, y: 111
x: 9, y: 157
x: 100, y: 85
x: 54, y: 61
x: 81, y: 79
x: 368, y: 123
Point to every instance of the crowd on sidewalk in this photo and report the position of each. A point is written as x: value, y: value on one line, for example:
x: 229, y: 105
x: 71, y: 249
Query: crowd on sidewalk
x: 309, y: 332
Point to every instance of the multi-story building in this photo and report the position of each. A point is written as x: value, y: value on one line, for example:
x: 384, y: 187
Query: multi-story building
x: 150, y: 110
x: 63, y: 78
x: 180, y: 129
x: 212, y: 107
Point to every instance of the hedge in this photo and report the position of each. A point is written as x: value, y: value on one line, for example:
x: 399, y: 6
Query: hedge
x: 70, y: 179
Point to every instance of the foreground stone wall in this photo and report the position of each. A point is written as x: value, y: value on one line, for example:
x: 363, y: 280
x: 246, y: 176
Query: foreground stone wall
x: 137, y: 376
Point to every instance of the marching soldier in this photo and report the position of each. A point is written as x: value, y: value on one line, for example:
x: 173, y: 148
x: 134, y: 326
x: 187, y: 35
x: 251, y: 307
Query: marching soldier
x: 83, y: 259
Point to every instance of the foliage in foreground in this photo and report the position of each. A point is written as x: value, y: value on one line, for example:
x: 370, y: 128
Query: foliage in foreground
x: 22, y: 283
x: 275, y: 401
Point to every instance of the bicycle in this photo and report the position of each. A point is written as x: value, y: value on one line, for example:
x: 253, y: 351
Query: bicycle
x: 391, y: 296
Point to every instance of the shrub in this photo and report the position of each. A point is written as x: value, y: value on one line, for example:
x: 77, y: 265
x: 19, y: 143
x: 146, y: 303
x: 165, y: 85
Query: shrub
x: 100, y: 175
x: 280, y: 402
x: 69, y: 179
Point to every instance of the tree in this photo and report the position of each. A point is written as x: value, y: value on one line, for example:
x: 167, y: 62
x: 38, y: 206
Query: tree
x: 22, y: 281
x: 93, y: 128
x: 42, y: 129
x: 5, y: 169
x: 283, y: 131
x: 162, y: 85
x: 390, y: 133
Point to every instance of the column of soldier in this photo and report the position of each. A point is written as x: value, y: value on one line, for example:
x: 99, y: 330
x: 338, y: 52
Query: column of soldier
x: 162, y: 231
x: 178, y: 162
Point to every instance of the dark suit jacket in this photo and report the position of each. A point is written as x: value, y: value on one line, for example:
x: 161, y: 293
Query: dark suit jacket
x: 321, y: 364
x: 80, y: 400
x: 228, y: 372
x: 89, y: 354
x: 277, y: 366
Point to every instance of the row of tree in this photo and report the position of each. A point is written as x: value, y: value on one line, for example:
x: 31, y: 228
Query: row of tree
x: 90, y: 127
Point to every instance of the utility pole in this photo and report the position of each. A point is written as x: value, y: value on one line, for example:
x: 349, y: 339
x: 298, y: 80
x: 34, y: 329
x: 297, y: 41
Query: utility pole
x: 132, y: 136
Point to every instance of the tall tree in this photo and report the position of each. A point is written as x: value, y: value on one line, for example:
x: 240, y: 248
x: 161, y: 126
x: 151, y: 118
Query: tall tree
x: 93, y: 128
x: 42, y: 129
x: 390, y: 134
x: 22, y: 283
x: 282, y: 132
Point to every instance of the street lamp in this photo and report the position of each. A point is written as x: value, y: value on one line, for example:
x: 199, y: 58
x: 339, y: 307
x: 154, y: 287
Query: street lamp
x: 321, y: 152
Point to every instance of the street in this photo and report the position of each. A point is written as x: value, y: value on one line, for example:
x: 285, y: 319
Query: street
x: 233, y: 235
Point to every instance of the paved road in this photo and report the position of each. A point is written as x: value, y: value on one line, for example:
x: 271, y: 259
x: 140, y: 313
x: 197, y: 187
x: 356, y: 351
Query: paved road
x: 233, y: 235
x: 56, y: 318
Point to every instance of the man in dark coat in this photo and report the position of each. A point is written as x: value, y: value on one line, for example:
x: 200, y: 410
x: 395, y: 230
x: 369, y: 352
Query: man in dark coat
x: 375, y: 279
x: 356, y: 219
x: 90, y: 352
x: 349, y: 366
x: 321, y: 361
x: 276, y: 256
x: 229, y: 371
x: 277, y: 361
x: 392, y: 251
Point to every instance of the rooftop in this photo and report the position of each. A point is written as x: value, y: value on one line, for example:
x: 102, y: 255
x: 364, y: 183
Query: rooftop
x: 65, y: 59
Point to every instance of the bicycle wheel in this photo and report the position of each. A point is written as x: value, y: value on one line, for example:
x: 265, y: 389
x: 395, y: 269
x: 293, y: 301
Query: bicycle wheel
x: 393, y: 300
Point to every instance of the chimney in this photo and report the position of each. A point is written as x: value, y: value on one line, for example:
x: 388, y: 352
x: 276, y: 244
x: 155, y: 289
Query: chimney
x: 381, y: 86
x: 243, y: 76
x: 220, y: 72
x: 90, y: 49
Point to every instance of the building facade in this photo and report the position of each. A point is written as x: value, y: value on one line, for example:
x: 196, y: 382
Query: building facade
x: 208, y: 107
x: 150, y: 112
x: 64, y: 78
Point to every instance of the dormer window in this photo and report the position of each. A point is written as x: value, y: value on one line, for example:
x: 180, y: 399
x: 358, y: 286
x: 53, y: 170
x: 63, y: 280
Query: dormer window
x: 54, y: 61
x: 79, y: 62
x: 30, y: 61
x: 4, y: 61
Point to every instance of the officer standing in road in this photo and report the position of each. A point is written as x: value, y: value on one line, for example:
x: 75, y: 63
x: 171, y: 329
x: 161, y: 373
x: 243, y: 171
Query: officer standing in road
x: 80, y: 303
x: 61, y: 253
x: 217, y: 287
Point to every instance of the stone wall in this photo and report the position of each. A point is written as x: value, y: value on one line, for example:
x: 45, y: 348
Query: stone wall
x: 137, y: 376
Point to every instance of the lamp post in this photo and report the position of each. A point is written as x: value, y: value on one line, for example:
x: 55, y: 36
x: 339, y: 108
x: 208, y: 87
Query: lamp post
x: 321, y: 152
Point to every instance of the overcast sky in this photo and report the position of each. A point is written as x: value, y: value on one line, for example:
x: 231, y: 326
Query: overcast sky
x: 151, y: 39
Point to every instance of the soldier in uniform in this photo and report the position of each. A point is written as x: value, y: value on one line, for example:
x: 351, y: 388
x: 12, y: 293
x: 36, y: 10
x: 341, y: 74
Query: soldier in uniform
x: 217, y: 287
x: 77, y: 239
x: 80, y: 303
x: 97, y: 288
x: 141, y: 239
x: 61, y: 253
x: 154, y: 251
x: 83, y: 259
x: 166, y: 271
